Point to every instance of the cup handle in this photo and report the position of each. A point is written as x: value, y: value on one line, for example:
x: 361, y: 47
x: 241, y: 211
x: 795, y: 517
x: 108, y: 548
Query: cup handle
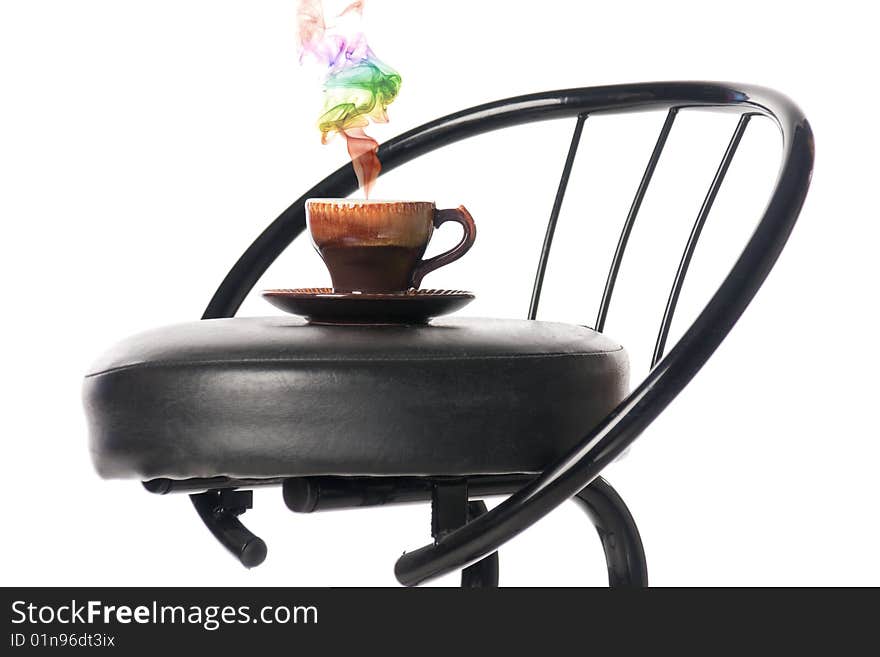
x: 461, y: 216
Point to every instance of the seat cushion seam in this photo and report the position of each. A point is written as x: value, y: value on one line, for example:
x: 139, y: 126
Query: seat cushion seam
x: 257, y: 361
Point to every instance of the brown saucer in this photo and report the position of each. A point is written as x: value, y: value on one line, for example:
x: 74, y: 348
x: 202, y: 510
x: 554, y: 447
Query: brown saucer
x: 321, y: 305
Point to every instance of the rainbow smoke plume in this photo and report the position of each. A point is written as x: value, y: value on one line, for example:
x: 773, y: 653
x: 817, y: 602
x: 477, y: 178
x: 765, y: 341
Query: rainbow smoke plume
x: 357, y: 86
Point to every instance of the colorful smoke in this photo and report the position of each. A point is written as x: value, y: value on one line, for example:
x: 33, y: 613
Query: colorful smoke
x: 357, y: 86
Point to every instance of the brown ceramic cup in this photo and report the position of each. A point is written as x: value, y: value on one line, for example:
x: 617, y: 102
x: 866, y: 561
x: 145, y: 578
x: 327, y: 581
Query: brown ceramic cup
x: 377, y: 246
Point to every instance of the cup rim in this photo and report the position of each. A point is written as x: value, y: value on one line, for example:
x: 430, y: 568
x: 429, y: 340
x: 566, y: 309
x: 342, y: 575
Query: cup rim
x: 362, y: 201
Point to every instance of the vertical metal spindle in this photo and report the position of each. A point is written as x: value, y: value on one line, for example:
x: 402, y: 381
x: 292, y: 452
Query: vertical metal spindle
x: 672, y: 301
x: 631, y: 219
x: 554, y: 215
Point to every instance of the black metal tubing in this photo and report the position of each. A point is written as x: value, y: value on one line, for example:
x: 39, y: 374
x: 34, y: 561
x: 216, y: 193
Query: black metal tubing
x: 554, y: 215
x: 696, y: 231
x: 221, y: 518
x: 309, y: 494
x: 574, y: 471
x: 484, y: 573
x: 469, y: 123
x: 631, y: 219
x: 669, y: 376
x: 624, y: 553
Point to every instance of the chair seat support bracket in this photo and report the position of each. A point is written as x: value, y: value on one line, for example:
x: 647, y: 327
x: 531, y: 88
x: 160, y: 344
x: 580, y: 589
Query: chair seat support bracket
x: 219, y: 510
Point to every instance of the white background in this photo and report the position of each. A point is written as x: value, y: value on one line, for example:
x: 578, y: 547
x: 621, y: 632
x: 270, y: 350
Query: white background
x: 143, y: 145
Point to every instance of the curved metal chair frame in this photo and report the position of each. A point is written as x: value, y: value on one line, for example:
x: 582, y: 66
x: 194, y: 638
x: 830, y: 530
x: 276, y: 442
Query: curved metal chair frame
x: 466, y: 535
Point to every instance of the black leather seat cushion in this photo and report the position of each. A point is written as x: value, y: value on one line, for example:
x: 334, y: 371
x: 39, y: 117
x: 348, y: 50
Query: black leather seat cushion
x: 271, y: 397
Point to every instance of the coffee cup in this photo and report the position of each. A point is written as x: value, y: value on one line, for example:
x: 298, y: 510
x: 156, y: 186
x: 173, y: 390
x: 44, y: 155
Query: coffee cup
x: 377, y: 246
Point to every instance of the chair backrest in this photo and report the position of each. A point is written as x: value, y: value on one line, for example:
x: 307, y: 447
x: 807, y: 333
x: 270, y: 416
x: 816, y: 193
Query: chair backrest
x: 670, y: 371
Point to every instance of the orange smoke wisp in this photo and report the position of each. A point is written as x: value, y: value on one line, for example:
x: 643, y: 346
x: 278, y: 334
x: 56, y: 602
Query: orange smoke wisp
x: 363, y: 151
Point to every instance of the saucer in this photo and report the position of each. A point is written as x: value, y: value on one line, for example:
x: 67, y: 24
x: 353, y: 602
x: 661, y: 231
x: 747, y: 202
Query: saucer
x: 321, y: 305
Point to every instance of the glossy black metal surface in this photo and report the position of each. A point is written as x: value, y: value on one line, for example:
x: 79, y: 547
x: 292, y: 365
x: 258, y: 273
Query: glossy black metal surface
x: 624, y: 553
x: 308, y: 494
x: 219, y: 510
x: 630, y: 221
x: 450, y: 509
x: 449, y: 506
x: 484, y: 573
x: 671, y: 373
x: 691, y: 246
x: 554, y: 215
x: 469, y: 123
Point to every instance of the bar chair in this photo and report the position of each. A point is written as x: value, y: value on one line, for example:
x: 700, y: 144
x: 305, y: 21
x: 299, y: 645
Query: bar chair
x: 218, y: 407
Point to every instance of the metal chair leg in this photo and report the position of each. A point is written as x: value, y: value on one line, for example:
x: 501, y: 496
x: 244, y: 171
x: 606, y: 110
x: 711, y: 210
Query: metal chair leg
x: 219, y: 510
x: 620, y: 538
x: 484, y: 573
x: 450, y: 509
